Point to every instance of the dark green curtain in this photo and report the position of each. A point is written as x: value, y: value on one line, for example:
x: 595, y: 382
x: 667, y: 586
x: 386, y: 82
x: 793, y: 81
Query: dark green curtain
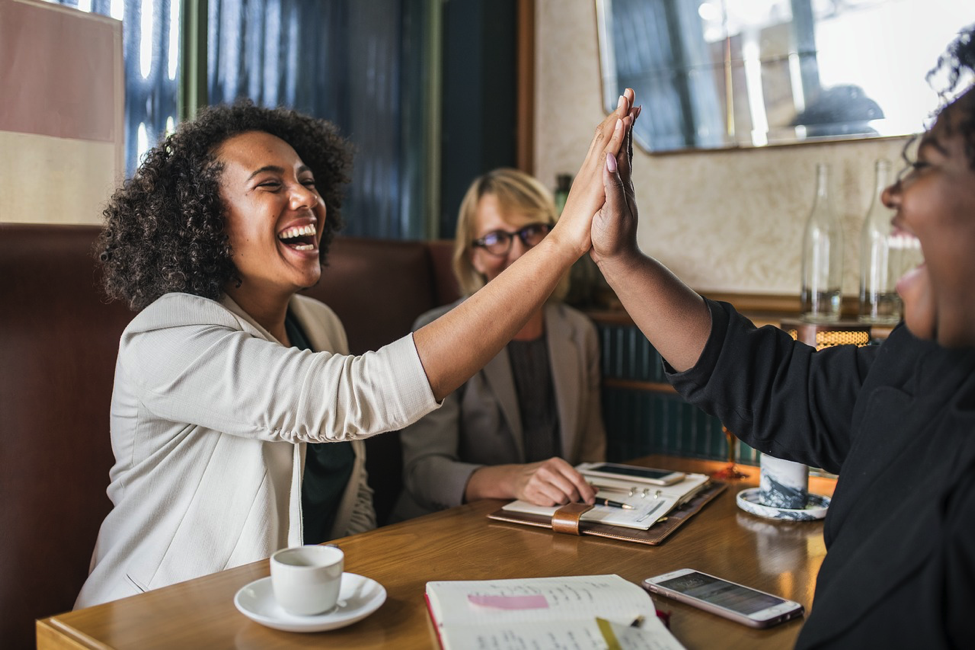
x: 357, y: 63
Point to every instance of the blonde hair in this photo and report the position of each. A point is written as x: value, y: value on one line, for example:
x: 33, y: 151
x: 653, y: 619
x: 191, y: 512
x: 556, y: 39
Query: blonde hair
x: 515, y: 191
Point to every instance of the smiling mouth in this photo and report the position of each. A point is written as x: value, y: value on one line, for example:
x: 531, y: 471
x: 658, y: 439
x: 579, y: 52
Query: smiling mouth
x: 299, y: 238
x: 905, y: 240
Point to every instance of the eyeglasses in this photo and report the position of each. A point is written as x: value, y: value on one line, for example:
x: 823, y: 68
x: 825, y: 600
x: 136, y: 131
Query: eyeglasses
x: 498, y: 242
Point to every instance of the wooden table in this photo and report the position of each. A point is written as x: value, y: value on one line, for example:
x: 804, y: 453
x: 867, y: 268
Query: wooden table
x: 462, y: 544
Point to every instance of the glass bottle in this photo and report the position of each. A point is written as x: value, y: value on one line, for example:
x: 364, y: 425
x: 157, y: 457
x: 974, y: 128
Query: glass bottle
x: 822, y: 256
x: 583, y: 272
x: 884, y: 258
x: 563, y: 183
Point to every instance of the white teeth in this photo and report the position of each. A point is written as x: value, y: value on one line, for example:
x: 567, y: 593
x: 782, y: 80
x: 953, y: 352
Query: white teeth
x: 298, y: 231
x: 303, y: 247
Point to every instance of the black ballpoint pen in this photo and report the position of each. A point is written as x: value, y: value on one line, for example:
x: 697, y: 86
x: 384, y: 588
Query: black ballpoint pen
x: 614, y: 504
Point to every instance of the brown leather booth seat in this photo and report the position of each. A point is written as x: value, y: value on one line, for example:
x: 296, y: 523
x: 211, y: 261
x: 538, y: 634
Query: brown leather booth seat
x: 58, y: 343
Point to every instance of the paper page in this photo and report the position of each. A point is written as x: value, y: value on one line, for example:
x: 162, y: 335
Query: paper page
x: 616, y: 489
x: 651, y: 635
x: 576, y: 635
x: 643, y: 516
x: 588, y: 634
x: 456, y: 603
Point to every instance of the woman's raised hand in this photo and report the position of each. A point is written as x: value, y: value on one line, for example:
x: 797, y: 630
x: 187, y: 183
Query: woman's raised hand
x: 588, y: 191
x: 674, y: 318
x: 614, y: 225
x: 456, y: 345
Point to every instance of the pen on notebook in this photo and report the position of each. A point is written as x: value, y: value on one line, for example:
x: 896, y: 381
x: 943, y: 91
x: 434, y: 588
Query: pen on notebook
x: 614, y: 504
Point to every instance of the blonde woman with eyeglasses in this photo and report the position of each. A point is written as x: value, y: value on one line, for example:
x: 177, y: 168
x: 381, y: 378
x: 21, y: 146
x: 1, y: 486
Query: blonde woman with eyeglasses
x: 517, y: 427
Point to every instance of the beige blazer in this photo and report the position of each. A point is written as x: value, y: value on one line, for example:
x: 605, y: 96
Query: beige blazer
x: 480, y: 423
x: 210, y: 416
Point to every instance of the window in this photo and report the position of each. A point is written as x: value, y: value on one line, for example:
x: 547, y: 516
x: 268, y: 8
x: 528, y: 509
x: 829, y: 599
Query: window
x: 357, y: 64
x: 717, y: 74
x: 150, y: 43
x: 363, y: 65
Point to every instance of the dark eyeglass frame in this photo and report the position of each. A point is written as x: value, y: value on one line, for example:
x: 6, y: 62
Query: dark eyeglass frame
x: 506, y: 238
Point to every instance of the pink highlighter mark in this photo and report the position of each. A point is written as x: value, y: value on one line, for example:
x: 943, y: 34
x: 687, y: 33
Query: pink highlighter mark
x: 510, y: 602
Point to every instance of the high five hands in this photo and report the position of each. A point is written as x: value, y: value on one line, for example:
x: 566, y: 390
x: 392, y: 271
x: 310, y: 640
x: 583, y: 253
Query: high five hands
x: 613, y: 231
x: 588, y: 195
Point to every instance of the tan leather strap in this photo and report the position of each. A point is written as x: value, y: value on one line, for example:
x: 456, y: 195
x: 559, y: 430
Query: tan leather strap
x: 566, y: 519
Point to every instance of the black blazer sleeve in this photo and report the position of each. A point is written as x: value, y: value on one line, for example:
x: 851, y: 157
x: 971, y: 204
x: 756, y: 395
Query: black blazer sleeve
x: 779, y: 396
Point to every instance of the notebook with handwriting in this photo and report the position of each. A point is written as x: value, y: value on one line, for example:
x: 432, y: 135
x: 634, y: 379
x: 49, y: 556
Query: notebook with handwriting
x: 572, y: 612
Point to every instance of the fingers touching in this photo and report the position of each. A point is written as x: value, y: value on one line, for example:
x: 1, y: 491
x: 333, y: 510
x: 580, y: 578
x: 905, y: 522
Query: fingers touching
x: 625, y: 157
x: 610, y: 133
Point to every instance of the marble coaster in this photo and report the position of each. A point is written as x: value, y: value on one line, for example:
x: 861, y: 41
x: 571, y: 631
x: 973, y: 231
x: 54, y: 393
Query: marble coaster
x: 815, y: 508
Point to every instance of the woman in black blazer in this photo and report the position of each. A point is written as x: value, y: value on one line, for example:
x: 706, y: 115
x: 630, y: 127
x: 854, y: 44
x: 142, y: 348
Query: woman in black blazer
x: 896, y: 421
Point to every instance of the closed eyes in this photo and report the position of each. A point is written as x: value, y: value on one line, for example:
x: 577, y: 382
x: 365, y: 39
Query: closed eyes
x: 275, y: 185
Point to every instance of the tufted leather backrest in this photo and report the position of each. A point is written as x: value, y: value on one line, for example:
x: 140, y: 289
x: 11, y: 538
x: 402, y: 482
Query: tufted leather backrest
x: 58, y: 344
x: 379, y: 287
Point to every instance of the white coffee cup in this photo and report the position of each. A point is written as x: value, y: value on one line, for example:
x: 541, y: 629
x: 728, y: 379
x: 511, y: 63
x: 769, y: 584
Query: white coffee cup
x: 306, y: 579
x: 783, y: 483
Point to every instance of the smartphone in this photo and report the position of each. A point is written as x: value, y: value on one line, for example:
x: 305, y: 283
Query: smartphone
x: 632, y: 473
x: 731, y: 600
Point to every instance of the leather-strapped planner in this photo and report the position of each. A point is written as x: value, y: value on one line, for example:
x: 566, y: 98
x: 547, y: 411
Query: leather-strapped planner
x: 569, y: 519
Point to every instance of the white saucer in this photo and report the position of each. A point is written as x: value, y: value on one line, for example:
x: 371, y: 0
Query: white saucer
x: 358, y: 598
x: 815, y: 507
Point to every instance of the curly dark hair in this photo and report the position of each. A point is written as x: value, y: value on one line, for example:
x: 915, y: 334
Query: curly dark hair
x: 957, y: 59
x: 165, y: 228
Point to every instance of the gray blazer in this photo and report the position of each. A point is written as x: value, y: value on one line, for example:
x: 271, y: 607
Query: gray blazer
x: 479, y: 424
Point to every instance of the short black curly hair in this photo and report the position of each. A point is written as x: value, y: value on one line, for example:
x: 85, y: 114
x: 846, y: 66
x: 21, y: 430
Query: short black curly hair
x: 165, y: 228
x: 958, y: 59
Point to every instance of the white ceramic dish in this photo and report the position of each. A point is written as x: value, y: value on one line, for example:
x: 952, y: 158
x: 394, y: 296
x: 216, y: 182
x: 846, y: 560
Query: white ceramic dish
x: 748, y: 500
x: 359, y: 597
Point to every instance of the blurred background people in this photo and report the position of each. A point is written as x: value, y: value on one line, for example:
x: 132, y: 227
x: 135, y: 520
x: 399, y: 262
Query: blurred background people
x: 514, y: 430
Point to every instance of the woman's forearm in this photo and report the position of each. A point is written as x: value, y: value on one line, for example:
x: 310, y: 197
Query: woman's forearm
x: 491, y: 482
x: 544, y: 483
x: 673, y: 317
x: 459, y: 343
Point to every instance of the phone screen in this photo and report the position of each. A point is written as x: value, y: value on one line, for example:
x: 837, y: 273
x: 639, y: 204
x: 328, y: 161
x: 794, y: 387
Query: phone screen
x: 723, y: 594
x: 626, y: 470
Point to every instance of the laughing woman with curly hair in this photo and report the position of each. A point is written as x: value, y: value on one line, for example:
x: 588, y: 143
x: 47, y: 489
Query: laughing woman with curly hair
x: 227, y: 383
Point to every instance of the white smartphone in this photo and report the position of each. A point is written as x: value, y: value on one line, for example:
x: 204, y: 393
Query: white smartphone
x: 728, y: 599
x: 632, y: 473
